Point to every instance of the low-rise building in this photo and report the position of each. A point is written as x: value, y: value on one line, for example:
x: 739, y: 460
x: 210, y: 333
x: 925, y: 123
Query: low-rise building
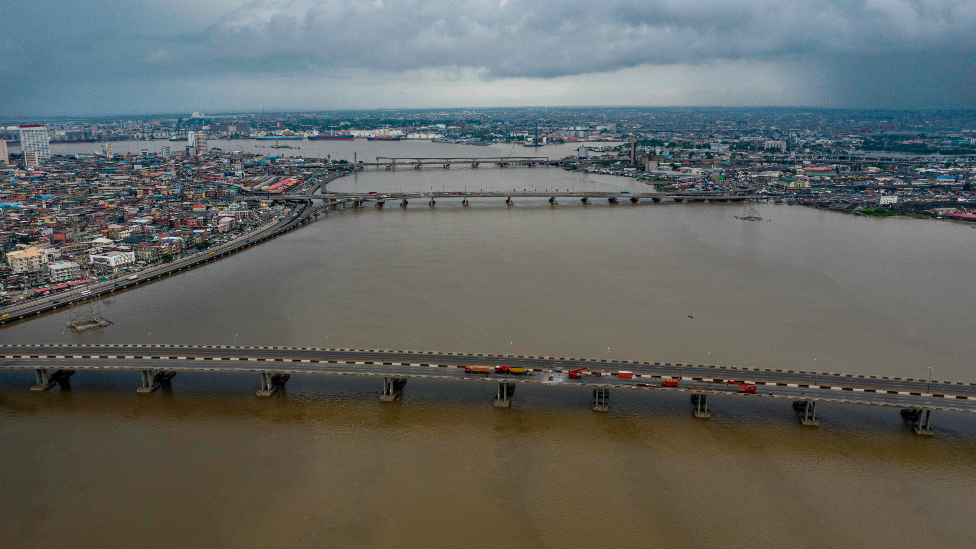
x: 63, y: 271
x: 113, y: 260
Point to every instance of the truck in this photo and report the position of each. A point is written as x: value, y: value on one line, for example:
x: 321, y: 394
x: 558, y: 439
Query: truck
x: 673, y: 382
x: 477, y: 369
x: 514, y: 370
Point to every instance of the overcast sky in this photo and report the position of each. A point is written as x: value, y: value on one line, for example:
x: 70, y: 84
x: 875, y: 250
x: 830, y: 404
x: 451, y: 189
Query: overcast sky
x: 84, y: 57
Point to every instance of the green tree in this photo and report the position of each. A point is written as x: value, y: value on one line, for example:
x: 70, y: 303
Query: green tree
x: 166, y: 257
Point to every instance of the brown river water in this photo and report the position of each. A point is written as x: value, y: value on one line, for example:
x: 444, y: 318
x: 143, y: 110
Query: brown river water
x: 323, y: 463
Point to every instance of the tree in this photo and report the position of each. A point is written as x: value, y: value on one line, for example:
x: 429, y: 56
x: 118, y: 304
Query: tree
x: 968, y: 186
x: 203, y: 245
x: 166, y: 257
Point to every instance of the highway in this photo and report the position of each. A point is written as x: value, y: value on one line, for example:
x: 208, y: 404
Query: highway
x: 697, y: 379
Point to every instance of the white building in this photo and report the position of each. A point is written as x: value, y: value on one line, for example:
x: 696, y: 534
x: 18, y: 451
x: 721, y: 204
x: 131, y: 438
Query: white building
x: 888, y: 199
x: 775, y: 145
x: 113, y: 260
x: 63, y: 271
x: 4, y: 156
x: 34, y: 137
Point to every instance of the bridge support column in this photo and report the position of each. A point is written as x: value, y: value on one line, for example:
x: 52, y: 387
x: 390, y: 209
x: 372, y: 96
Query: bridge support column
x: 504, y: 397
x: 45, y: 381
x: 601, y: 399
x: 392, y: 388
x: 270, y: 383
x: 921, y: 419
x: 656, y: 200
x: 807, y: 411
x: 585, y: 200
x: 700, y: 400
x: 432, y: 202
x: 612, y: 200
x: 552, y: 200
x: 464, y: 202
x: 635, y: 199
x: 509, y: 201
x: 474, y: 164
x: 403, y: 204
x: 380, y: 203
x: 416, y: 166
x: 149, y: 383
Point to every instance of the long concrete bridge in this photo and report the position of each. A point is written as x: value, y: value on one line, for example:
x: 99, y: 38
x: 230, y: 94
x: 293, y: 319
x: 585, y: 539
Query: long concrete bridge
x: 392, y: 163
x: 511, y: 197
x: 158, y: 364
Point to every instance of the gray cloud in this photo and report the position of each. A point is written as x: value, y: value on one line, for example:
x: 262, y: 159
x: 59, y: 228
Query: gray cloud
x: 546, y: 38
x: 891, y: 53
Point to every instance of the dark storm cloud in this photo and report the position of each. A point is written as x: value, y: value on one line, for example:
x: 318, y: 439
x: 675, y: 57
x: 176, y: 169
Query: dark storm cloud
x: 546, y: 38
x: 900, y: 53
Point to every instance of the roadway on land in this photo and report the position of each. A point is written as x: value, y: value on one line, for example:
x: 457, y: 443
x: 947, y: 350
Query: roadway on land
x: 707, y: 379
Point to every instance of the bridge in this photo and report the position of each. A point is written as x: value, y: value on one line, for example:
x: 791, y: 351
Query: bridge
x: 157, y: 365
x: 392, y: 163
x: 552, y: 195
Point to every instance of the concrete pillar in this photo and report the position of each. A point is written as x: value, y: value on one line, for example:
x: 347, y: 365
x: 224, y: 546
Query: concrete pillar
x: 149, y: 383
x: 271, y: 382
x: 807, y: 412
x: 403, y: 204
x: 585, y: 200
x: 921, y: 419
x: 432, y: 203
x: 392, y: 388
x: 509, y: 201
x: 612, y: 200
x: 656, y: 200
x: 504, y: 397
x: 601, y: 399
x: 380, y: 203
x: 464, y: 202
x: 43, y: 381
x: 635, y: 199
x: 700, y: 400
x: 552, y: 200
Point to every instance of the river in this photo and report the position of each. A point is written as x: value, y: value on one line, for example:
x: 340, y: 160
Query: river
x: 324, y: 464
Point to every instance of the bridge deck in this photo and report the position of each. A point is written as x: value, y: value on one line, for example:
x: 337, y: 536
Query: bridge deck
x: 707, y: 379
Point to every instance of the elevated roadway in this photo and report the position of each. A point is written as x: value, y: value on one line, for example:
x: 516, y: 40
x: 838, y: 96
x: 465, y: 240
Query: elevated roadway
x: 916, y: 397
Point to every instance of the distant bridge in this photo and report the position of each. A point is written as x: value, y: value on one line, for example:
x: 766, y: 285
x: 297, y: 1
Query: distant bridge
x: 417, y: 163
x: 157, y: 364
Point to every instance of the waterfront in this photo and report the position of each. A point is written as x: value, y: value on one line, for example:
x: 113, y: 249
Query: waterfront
x: 325, y: 464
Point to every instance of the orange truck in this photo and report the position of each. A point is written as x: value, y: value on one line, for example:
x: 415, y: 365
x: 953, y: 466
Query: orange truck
x: 477, y: 370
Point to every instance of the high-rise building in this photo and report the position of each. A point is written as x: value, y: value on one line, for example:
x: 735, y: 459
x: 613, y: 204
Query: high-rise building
x: 107, y: 150
x: 191, y: 140
x: 200, y: 143
x: 31, y: 159
x: 4, y: 157
x: 34, y: 137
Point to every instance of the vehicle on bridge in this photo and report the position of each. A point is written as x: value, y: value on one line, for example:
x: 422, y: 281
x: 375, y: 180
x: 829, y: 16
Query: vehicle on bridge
x: 513, y: 370
x: 576, y: 374
x: 477, y: 370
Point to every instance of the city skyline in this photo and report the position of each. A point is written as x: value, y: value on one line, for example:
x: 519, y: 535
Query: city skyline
x: 232, y: 55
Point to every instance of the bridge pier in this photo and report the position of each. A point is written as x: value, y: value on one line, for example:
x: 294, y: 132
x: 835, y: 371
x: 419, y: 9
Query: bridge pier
x: 447, y: 166
x: 392, y: 388
x: 464, y: 202
x: 601, y: 399
x: 509, y: 201
x: 271, y: 382
x: 700, y: 400
x: 416, y: 166
x: 585, y: 200
x: 807, y: 411
x: 635, y: 199
x: 612, y: 200
x: 380, y: 203
x: 474, y: 164
x: 504, y: 397
x: 921, y: 419
x: 552, y: 200
x: 679, y: 200
x: 432, y: 203
x: 656, y: 200
x: 45, y: 381
x: 403, y: 204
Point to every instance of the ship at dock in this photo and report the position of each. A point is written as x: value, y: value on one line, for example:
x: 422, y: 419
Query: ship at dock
x: 277, y: 137
x: 331, y: 137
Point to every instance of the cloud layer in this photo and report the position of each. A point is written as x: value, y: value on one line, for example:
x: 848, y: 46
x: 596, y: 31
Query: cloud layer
x: 882, y: 53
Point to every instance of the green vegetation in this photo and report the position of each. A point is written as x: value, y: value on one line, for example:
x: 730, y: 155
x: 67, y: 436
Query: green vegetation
x: 167, y: 257
x: 878, y: 211
x: 203, y: 245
